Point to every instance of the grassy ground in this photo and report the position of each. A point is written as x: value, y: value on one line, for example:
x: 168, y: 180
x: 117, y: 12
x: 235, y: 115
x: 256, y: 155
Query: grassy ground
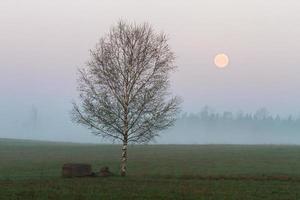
x: 31, y: 170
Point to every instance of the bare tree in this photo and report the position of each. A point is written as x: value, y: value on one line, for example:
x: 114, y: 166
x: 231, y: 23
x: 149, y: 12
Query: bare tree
x: 124, y: 87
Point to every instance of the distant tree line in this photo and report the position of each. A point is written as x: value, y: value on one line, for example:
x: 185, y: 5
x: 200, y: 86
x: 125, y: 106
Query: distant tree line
x: 211, y: 126
x: 208, y: 114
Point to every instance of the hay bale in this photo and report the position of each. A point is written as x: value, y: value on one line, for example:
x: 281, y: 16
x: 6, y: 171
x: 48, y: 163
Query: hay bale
x: 70, y: 170
x: 104, y: 172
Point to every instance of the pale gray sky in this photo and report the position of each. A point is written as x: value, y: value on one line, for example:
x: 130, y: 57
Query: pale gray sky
x: 42, y: 42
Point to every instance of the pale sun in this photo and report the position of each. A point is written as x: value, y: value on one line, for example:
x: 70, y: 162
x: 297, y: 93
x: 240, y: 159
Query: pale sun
x: 221, y: 60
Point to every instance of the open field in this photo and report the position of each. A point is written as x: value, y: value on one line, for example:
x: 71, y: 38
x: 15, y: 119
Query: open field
x: 31, y: 170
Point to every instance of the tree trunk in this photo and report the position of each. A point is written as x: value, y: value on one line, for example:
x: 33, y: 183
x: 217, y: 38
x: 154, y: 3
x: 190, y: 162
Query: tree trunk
x: 124, y: 159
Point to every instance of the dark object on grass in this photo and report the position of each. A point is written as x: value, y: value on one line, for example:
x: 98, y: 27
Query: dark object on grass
x: 104, y: 172
x: 70, y: 170
x: 93, y: 174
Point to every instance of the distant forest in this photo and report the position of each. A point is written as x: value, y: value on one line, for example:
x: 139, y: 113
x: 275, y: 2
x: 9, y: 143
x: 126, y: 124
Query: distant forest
x: 208, y: 126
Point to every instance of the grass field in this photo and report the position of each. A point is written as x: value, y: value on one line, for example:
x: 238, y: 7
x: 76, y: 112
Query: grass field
x: 31, y: 170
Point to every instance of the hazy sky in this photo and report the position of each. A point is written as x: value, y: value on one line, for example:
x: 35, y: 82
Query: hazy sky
x: 42, y: 43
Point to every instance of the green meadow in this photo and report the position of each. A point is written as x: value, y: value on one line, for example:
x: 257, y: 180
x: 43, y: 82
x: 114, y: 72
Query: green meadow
x: 32, y: 170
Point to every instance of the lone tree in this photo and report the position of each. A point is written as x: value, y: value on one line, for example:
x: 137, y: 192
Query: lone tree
x: 124, y: 87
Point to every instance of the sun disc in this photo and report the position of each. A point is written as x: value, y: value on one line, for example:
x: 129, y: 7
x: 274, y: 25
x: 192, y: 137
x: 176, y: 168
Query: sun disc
x: 221, y: 60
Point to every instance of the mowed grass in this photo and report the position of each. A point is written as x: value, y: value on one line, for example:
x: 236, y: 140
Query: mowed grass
x: 32, y: 170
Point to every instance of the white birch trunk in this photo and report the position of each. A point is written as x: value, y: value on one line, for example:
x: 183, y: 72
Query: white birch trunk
x: 124, y: 159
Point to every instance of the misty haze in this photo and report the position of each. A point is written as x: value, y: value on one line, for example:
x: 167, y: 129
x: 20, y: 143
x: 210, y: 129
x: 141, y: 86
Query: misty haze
x: 167, y: 99
x: 41, y: 52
